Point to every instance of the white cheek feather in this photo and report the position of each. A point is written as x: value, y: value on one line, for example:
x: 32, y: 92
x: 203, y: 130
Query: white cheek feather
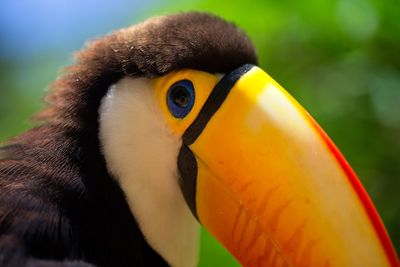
x: 141, y: 153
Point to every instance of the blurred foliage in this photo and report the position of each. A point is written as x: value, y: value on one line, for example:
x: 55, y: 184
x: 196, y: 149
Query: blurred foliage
x: 339, y: 58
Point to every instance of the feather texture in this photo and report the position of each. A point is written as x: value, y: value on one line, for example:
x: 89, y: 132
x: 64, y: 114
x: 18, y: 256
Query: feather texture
x: 59, y: 206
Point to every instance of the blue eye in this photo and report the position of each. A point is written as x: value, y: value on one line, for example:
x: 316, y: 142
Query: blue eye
x: 180, y: 98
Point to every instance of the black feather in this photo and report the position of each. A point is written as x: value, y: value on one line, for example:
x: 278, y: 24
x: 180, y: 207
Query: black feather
x: 58, y: 204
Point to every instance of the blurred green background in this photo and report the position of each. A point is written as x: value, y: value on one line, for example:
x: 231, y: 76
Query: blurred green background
x: 339, y: 58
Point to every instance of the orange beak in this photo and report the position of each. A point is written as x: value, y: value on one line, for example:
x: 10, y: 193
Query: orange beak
x: 271, y: 186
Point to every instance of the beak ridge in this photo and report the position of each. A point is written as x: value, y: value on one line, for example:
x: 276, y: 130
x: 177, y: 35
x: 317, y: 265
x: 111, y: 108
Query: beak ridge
x: 273, y: 188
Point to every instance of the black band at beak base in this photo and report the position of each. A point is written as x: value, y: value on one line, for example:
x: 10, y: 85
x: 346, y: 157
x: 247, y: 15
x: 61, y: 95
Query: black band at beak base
x: 187, y: 165
x: 213, y: 102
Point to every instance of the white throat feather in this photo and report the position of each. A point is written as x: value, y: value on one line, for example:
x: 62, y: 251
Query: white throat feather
x: 141, y: 153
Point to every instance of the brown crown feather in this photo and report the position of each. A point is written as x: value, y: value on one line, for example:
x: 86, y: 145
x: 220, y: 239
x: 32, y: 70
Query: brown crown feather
x: 159, y: 45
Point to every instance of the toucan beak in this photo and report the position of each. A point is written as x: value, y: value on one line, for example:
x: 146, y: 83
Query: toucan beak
x: 271, y: 186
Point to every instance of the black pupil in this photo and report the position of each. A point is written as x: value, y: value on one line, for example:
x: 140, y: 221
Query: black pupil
x: 181, y: 96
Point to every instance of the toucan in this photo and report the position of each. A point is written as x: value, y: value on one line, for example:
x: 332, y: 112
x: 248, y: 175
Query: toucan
x: 166, y: 125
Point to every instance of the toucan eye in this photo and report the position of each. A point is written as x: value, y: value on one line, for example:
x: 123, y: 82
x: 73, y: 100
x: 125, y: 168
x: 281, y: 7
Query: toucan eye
x: 180, y: 98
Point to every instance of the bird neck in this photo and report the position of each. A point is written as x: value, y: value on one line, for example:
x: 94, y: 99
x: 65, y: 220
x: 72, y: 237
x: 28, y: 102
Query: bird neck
x: 141, y: 154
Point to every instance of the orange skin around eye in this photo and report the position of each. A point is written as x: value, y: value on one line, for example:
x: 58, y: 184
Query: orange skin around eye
x: 203, y: 84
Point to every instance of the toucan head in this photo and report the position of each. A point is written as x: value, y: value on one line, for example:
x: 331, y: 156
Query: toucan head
x: 194, y: 132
